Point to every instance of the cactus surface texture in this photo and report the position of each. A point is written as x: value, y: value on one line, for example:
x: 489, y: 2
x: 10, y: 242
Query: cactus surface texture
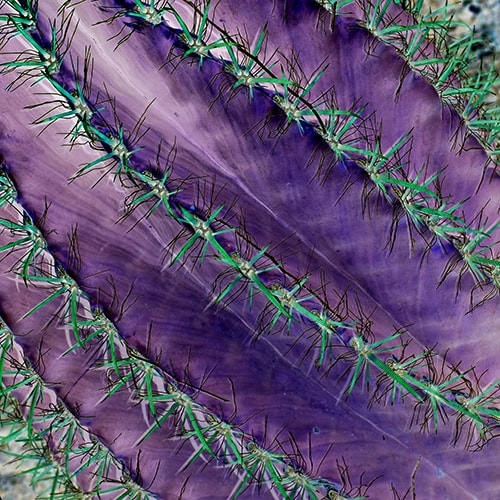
x: 248, y: 249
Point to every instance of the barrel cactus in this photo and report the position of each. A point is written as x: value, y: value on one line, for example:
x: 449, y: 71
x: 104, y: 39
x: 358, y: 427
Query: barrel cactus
x: 248, y: 249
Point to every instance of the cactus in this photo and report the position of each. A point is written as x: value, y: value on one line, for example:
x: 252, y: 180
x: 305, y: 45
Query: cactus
x: 248, y: 250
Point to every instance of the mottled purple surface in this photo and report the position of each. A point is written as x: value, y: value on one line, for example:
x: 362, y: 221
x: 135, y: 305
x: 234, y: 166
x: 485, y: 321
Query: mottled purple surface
x: 273, y: 182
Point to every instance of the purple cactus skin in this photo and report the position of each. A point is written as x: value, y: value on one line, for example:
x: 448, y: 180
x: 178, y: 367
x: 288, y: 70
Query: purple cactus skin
x: 372, y: 256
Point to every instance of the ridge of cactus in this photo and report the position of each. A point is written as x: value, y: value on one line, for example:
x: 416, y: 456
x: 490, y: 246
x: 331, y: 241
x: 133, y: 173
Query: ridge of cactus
x: 420, y: 200
x: 423, y: 206
x: 284, y: 300
x: 232, y: 260
x: 160, y: 392
x: 37, y: 417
